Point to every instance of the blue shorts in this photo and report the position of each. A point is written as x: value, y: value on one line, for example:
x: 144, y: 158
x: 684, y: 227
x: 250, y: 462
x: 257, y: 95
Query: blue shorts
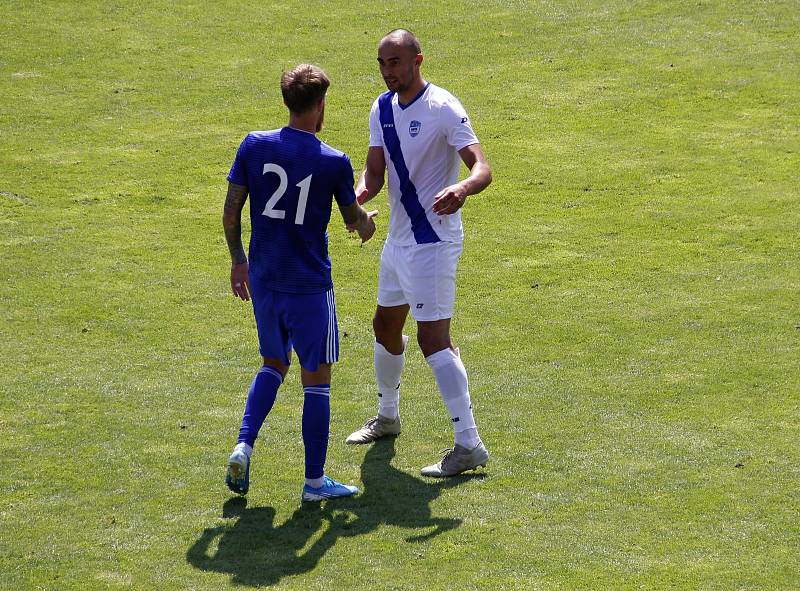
x: 303, y: 322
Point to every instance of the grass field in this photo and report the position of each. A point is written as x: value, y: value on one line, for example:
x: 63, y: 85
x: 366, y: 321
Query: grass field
x: 628, y: 310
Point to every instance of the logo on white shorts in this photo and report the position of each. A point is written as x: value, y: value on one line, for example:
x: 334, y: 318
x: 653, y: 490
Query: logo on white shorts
x: 419, y: 306
x: 414, y: 128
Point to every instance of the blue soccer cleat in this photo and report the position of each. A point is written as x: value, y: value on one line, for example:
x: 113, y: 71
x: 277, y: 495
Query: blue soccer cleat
x: 330, y: 489
x: 238, y: 475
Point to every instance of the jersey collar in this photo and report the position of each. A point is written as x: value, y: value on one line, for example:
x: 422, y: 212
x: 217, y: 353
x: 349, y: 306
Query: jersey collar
x: 301, y: 130
x: 414, y: 100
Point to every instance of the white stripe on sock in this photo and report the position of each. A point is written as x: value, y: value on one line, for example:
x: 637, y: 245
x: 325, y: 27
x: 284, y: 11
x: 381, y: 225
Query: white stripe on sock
x: 272, y: 371
x: 317, y: 390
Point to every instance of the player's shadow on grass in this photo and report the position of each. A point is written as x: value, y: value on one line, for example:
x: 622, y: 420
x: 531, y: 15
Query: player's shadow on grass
x: 255, y: 551
x: 392, y: 497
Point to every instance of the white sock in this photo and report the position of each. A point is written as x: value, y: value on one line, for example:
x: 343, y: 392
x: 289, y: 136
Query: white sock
x: 315, y: 482
x: 451, y: 377
x: 388, y: 369
x: 468, y: 438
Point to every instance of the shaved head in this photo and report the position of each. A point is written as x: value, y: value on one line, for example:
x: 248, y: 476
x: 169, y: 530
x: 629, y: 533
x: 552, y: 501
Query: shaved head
x: 403, y: 38
x: 399, y: 57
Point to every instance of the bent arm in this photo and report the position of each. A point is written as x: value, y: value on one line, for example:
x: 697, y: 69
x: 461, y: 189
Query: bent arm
x: 480, y: 174
x: 370, y: 182
x: 451, y: 199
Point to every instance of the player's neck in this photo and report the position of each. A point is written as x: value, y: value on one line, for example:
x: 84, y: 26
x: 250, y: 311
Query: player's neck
x: 412, y: 91
x: 303, y: 123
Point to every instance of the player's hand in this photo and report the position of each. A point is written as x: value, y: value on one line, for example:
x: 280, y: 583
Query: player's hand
x: 240, y: 281
x: 366, y: 229
x: 369, y: 227
x: 449, y: 200
x: 362, y: 196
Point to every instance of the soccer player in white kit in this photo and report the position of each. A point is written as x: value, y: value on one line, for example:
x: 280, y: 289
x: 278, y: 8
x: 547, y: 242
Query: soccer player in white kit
x: 421, y: 134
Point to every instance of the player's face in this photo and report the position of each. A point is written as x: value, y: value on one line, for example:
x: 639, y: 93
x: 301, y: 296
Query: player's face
x: 399, y: 66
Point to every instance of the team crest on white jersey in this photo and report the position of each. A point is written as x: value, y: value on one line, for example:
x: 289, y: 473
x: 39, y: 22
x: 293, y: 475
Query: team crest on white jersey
x: 414, y: 128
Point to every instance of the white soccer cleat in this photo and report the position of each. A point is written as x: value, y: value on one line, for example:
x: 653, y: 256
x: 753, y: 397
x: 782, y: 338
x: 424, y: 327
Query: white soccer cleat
x: 375, y: 428
x: 458, y: 460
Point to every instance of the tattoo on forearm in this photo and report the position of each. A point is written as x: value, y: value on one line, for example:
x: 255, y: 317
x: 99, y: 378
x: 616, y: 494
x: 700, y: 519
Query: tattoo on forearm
x: 232, y: 221
x: 234, y: 237
x: 349, y: 213
x: 353, y: 214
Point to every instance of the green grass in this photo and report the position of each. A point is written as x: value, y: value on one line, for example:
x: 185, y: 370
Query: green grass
x: 628, y: 301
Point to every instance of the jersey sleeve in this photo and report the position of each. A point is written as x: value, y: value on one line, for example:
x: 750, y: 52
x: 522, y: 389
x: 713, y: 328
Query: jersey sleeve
x: 343, y: 190
x: 456, y: 125
x: 238, y: 172
x: 375, y: 129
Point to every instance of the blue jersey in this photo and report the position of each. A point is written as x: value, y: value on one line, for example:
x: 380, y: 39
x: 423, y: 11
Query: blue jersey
x: 292, y: 178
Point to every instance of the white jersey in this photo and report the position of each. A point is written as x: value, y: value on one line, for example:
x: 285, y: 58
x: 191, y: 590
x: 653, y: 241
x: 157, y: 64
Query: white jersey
x: 421, y: 141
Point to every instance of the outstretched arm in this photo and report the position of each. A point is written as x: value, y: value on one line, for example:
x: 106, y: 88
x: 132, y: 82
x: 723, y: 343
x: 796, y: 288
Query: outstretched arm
x: 371, y: 180
x: 232, y: 223
x: 452, y: 198
x: 358, y: 219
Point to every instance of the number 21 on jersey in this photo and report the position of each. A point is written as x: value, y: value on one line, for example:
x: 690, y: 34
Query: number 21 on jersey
x: 270, y: 211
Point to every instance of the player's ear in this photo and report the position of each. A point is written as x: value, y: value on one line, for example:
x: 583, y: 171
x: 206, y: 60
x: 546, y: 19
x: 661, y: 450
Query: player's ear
x: 418, y: 59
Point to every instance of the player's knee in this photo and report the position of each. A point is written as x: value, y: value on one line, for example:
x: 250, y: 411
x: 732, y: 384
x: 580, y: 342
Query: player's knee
x: 431, y: 342
x: 277, y: 364
x: 321, y: 375
x: 385, y: 328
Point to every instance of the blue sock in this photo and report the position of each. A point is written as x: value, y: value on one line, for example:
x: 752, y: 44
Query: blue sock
x: 316, y: 424
x: 260, y: 399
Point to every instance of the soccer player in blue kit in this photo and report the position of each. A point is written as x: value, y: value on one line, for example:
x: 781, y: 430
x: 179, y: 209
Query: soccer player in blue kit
x: 292, y: 178
x: 420, y: 133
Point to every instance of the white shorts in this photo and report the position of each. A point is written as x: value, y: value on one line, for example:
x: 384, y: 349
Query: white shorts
x: 422, y: 276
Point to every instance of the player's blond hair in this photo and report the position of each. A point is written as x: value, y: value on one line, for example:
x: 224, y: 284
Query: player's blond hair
x: 304, y: 87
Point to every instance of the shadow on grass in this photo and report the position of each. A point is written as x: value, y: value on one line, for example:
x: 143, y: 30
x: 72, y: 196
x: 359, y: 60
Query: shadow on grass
x: 255, y: 551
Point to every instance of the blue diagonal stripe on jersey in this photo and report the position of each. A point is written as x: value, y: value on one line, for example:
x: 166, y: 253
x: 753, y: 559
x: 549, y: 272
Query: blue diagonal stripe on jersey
x: 420, y: 226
